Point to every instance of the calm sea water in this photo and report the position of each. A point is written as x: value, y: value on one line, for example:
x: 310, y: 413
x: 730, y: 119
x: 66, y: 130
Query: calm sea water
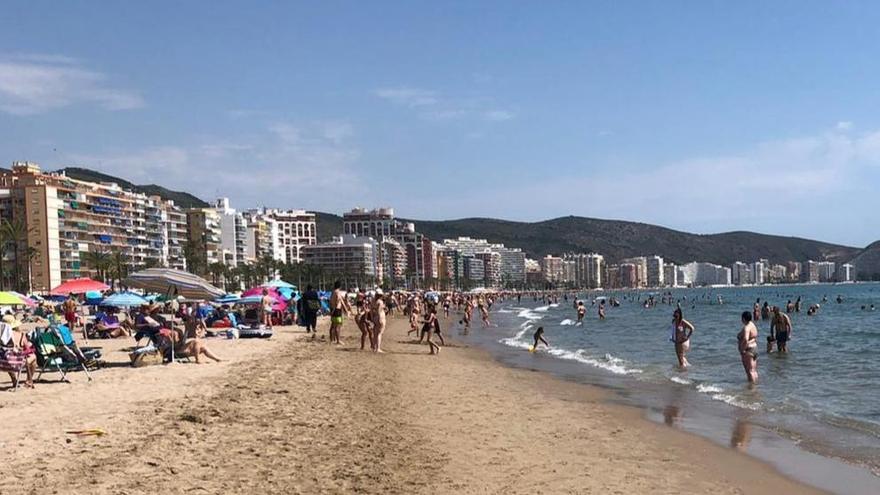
x: 827, y: 389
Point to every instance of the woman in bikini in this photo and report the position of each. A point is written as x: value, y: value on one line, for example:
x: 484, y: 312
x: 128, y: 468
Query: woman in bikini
x: 681, y: 335
x: 747, y: 340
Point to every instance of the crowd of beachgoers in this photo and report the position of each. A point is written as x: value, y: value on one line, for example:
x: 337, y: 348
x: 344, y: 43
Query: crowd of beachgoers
x: 38, y: 334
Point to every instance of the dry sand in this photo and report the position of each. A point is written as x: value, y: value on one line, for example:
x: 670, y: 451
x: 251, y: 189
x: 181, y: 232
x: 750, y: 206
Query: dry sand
x: 291, y: 415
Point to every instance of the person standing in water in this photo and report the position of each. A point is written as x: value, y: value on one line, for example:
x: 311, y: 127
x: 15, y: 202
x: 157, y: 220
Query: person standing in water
x: 602, y: 309
x: 780, y: 329
x: 581, y: 312
x: 681, y: 335
x: 747, y: 343
x: 539, y: 337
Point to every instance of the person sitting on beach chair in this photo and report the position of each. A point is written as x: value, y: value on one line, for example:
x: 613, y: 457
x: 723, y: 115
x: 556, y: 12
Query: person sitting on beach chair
x: 188, y: 341
x: 107, y: 326
x: 146, y: 325
x: 17, y: 354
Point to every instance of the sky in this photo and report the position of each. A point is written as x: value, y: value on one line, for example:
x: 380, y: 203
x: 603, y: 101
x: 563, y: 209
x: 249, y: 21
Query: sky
x: 701, y: 116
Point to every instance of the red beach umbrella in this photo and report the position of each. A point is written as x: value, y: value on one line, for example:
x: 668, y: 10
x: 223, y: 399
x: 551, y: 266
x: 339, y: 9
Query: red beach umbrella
x: 78, y: 286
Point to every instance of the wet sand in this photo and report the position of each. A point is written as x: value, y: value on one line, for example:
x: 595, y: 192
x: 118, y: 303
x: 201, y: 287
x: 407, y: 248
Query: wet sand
x: 291, y: 415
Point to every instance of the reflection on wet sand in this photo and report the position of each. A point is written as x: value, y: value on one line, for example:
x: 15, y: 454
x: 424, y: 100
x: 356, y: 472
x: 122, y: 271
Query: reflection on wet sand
x: 741, y: 434
x: 671, y: 415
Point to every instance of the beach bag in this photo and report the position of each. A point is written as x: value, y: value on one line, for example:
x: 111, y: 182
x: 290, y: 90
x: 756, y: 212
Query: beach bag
x: 145, y: 358
x: 314, y: 305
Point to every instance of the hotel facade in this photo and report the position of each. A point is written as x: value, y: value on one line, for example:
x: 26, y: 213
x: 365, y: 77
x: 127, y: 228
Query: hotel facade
x: 67, y: 218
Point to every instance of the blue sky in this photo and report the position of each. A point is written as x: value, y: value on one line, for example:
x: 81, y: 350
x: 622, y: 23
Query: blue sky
x: 700, y: 116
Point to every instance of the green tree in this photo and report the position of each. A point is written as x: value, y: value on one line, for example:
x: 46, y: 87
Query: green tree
x: 97, y: 263
x: 15, y: 231
x: 195, y: 256
x: 119, y: 265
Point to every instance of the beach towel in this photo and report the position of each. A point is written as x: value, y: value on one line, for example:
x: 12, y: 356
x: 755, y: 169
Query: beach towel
x: 5, y: 335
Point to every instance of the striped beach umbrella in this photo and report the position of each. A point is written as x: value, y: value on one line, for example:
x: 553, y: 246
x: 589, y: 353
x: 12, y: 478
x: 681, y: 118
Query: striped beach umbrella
x: 171, y: 281
x: 27, y: 300
x: 10, y: 299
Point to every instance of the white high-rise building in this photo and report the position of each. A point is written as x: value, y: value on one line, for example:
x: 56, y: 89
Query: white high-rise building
x: 233, y: 233
x: 654, y: 269
x: 758, y: 272
x: 741, y: 274
x: 702, y: 274
x: 827, y: 271
x: 846, y: 273
x: 670, y: 274
x: 280, y: 234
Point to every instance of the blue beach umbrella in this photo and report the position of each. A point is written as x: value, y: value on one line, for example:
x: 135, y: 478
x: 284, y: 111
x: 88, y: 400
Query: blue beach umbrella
x: 124, y: 300
x: 228, y: 299
x: 93, y: 297
x: 279, y: 284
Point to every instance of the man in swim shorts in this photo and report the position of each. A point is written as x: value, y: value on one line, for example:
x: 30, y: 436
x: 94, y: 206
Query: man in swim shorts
x: 339, y: 306
x: 781, y: 325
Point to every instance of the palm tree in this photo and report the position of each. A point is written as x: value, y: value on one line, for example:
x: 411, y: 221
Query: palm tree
x: 5, y: 240
x: 194, y: 254
x: 119, y: 264
x: 31, y: 254
x: 99, y: 262
x: 16, y: 232
x: 218, y: 271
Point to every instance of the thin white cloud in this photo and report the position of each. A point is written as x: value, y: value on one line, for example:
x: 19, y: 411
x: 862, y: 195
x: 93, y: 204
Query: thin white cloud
x: 37, y: 83
x: 844, y: 125
x: 310, y: 165
x: 431, y: 105
x: 812, y: 186
x: 408, y: 97
x: 498, y: 115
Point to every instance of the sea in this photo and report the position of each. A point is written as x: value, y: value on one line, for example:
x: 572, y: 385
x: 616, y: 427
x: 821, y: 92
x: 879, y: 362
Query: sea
x: 815, y: 413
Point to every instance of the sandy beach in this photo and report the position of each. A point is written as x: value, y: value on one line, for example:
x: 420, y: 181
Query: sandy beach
x: 292, y: 415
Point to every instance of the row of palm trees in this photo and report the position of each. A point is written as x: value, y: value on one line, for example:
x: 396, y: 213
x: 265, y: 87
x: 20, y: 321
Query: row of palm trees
x: 15, y: 270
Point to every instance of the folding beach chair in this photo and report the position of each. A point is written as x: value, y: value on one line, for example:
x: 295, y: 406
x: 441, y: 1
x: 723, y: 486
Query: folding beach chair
x: 54, y: 355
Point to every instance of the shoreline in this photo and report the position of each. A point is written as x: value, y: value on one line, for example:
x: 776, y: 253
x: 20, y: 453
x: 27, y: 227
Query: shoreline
x: 727, y: 427
x: 294, y: 416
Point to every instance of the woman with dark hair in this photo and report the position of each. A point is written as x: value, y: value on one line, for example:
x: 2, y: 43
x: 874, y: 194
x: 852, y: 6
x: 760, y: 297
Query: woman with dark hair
x: 681, y: 335
x: 747, y: 340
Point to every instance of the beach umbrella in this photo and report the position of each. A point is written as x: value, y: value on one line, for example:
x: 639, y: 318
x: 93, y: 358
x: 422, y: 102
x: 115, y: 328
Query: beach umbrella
x: 279, y: 284
x: 277, y: 305
x: 124, y: 300
x: 27, y: 300
x: 10, y: 299
x: 171, y: 281
x: 78, y: 286
x: 228, y: 299
x: 286, y: 292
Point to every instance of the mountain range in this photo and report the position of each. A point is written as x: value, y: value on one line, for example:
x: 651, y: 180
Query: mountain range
x: 182, y: 199
x: 615, y: 239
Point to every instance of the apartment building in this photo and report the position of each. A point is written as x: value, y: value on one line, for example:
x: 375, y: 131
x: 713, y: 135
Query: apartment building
x: 654, y: 271
x: 67, y: 218
x: 348, y: 255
